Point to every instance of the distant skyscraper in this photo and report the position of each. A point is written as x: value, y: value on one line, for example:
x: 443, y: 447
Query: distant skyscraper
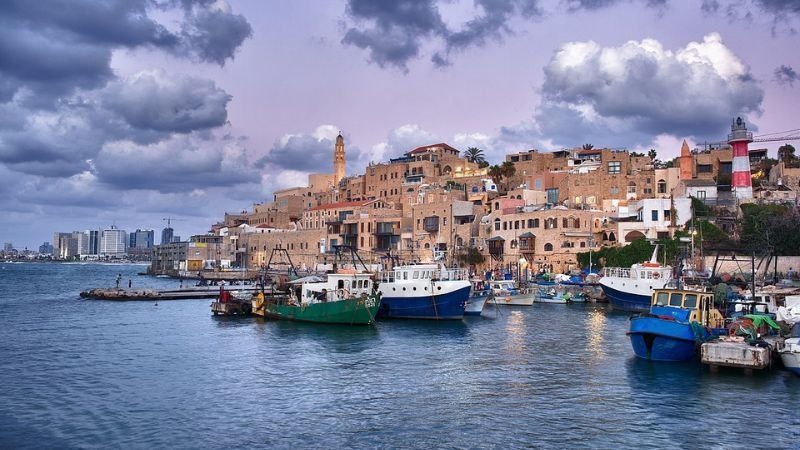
x: 64, y: 245
x: 166, y: 235
x: 7, y: 247
x: 142, y: 239
x: 176, y: 238
x: 113, y: 242
x: 81, y: 242
x: 46, y: 249
x: 94, y: 242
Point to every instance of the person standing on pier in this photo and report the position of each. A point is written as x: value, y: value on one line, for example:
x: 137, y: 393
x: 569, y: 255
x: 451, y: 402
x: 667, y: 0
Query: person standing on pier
x: 119, y: 278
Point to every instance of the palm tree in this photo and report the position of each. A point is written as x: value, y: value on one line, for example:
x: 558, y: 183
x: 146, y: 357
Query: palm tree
x: 587, y: 146
x: 652, y: 154
x: 786, y: 154
x: 474, y: 155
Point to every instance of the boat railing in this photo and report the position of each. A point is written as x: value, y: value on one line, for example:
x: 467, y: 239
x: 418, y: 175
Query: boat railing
x: 443, y: 274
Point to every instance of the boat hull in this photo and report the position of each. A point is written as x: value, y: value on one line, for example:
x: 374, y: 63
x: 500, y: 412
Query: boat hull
x: 476, y: 302
x: 352, y: 311
x: 792, y: 362
x: 514, y: 300
x: 449, y: 305
x: 658, y: 339
x: 627, y: 301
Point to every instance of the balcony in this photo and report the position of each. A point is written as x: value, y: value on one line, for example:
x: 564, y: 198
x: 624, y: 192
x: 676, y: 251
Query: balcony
x: 431, y: 224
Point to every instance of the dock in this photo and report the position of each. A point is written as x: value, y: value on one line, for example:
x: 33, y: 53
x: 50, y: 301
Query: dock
x: 734, y: 352
x: 156, y: 294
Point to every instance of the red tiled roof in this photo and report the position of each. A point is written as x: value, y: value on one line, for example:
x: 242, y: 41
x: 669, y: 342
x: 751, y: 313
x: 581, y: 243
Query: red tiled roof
x: 428, y: 147
x: 340, y: 205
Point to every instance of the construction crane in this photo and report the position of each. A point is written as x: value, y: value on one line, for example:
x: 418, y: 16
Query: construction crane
x: 169, y: 220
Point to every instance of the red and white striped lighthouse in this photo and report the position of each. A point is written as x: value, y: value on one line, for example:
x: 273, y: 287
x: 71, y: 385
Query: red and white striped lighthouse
x: 738, y: 140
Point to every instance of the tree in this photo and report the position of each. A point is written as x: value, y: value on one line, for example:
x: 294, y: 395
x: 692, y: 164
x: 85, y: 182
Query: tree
x: 471, y: 256
x: 652, y: 154
x: 474, y: 155
x: 786, y: 154
x: 587, y: 146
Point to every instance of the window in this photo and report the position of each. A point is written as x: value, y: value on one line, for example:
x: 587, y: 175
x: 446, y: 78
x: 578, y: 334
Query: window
x: 516, y: 224
x: 548, y: 247
x: 530, y: 223
x: 701, y: 195
x: 704, y: 168
x: 675, y: 299
x: 614, y: 190
x: 654, y: 215
x: 564, y: 223
x: 538, y: 184
x: 690, y: 301
x: 614, y: 167
x: 505, y: 225
x: 661, y: 298
x: 631, y: 189
x: 535, y: 223
x: 497, y: 224
x: 667, y: 214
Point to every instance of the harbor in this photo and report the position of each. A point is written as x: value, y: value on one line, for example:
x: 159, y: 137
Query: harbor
x: 373, y: 386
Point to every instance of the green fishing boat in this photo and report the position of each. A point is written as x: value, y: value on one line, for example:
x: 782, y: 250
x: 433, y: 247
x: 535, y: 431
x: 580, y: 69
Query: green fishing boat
x: 345, y: 298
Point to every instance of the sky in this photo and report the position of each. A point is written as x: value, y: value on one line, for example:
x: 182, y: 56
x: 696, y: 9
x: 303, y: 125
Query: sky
x: 127, y: 112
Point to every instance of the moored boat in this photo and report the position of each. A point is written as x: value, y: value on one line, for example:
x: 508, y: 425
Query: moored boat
x: 630, y: 289
x: 424, y: 291
x: 677, y: 322
x: 344, y: 298
x: 481, y: 293
x: 506, y: 292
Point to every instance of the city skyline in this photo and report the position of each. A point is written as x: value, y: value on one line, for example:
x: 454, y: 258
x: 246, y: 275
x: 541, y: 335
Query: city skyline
x: 204, y: 107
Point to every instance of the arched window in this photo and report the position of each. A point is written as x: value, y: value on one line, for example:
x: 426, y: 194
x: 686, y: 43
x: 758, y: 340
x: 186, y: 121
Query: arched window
x: 662, y: 187
x: 530, y: 223
x: 548, y: 247
x: 513, y: 243
x: 497, y: 224
x: 427, y: 245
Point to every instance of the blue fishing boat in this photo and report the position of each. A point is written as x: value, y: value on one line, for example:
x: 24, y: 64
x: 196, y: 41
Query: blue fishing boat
x: 678, y: 321
x: 424, y: 291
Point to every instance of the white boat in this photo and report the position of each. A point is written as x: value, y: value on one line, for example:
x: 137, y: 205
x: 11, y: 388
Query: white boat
x: 481, y: 293
x: 631, y: 289
x: 790, y: 351
x: 424, y: 291
x: 506, y: 292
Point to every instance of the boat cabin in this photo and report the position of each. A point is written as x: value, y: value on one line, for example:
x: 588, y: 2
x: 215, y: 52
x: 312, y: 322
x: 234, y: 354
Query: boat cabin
x: 686, y: 306
x: 499, y: 286
x: 422, y: 272
x: 338, y: 286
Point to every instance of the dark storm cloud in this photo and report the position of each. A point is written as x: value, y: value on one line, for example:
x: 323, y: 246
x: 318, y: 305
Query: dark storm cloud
x: 489, y: 25
x: 53, y: 47
x: 576, y: 5
x: 214, y: 35
x: 396, y: 29
x: 783, y: 13
x: 153, y: 101
x: 394, y: 32
x: 175, y: 165
x: 302, y: 153
x: 786, y: 75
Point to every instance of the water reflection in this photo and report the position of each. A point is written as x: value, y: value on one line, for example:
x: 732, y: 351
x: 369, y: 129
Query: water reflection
x: 515, y: 333
x: 595, y: 328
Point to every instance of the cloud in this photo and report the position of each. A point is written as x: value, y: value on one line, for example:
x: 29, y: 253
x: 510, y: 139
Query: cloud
x: 154, y: 101
x: 316, y: 147
x: 179, y: 164
x: 49, y: 49
x: 212, y: 33
x: 395, y: 31
x: 642, y: 90
x: 782, y: 13
x: 786, y: 75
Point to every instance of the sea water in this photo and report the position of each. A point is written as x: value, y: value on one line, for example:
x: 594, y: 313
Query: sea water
x: 79, y: 373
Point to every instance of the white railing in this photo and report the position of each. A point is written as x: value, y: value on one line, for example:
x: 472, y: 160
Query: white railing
x: 617, y: 272
x: 407, y: 275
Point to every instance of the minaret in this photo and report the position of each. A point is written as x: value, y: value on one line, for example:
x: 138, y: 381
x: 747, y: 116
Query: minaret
x: 338, y: 160
x: 686, y: 162
x: 738, y: 140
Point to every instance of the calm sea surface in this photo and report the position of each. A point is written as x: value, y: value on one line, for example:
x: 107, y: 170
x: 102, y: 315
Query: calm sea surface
x: 78, y: 373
